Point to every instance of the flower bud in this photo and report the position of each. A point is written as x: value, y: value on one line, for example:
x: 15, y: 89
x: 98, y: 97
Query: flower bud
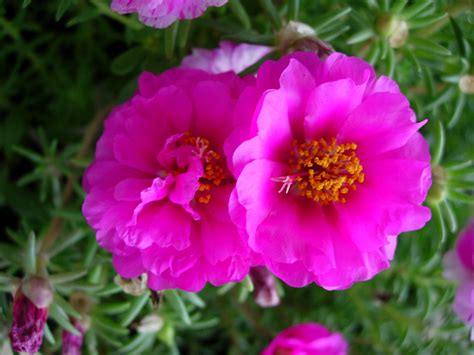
x: 265, y: 293
x: 297, y: 36
x: 466, y: 84
x: 30, y: 311
x: 72, y: 343
x: 150, y: 324
x: 399, y: 33
x: 438, y: 188
x: 38, y: 290
x: 135, y: 287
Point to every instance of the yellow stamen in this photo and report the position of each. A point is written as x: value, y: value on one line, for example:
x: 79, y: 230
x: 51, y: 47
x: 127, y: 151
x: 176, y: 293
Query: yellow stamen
x: 215, y: 170
x: 323, y: 172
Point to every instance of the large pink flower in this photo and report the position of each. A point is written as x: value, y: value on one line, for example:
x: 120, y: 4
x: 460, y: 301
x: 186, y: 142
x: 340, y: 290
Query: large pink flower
x: 459, y: 266
x: 158, y: 190
x: 228, y: 57
x: 307, y: 339
x: 330, y: 171
x: 162, y: 13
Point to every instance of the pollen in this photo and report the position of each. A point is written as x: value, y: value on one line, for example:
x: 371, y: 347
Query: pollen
x: 214, y: 166
x: 323, y: 171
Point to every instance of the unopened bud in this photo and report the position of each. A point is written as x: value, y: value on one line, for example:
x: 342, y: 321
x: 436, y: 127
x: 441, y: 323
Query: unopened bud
x: 298, y: 36
x: 38, y: 290
x: 265, y: 293
x: 135, y: 287
x: 72, y: 343
x: 466, y: 84
x: 438, y: 188
x: 26, y: 333
x: 150, y: 324
x: 393, y: 29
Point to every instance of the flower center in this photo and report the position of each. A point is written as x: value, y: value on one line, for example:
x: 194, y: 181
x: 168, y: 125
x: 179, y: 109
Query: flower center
x: 321, y: 171
x: 214, y: 167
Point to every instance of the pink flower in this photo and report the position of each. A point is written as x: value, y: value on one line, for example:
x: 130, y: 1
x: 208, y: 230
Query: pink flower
x: 307, y: 339
x: 158, y: 190
x: 459, y: 266
x: 30, y: 311
x: 228, y: 57
x: 331, y: 170
x: 162, y: 13
x: 72, y: 343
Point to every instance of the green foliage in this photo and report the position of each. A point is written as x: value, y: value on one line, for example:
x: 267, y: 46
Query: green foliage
x: 65, y: 63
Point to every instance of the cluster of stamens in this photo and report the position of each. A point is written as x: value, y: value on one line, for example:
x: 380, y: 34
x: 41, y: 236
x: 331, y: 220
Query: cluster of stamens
x: 323, y: 172
x: 215, y: 170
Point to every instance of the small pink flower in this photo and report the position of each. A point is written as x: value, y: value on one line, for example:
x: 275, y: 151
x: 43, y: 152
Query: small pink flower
x: 330, y: 170
x: 158, y: 190
x: 307, y: 339
x: 30, y: 311
x: 228, y: 57
x: 72, y: 343
x: 459, y: 266
x: 162, y: 13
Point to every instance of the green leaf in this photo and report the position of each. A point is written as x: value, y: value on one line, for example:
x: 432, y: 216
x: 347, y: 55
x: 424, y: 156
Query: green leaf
x: 390, y: 62
x: 139, y: 343
x: 175, y: 301
x: 415, y: 9
x: 248, y: 284
x: 183, y: 33
x: 35, y: 157
x: 449, y: 215
x: 30, y: 255
x: 226, y: 288
x: 48, y: 335
x: 240, y: 13
x: 135, y: 307
x: 439, y: 143
x: 62, y: 8
x: 114, y: 308
x: 109, y: 290
x: 67, y: 276
x: 271, y: 11
x: 460, y: 197
x: 26, y: 3
x: 171, y: 34
x: 361, y: 36
x: 438, y: 220
x: 293, y: 9
x: 330, y: 18
x: 65, y: 243
x: 194, y: 299
x: 108, y: 326
x: 398, y: 6
x: 426, y: 21
x: 428, y: 46
x: 59, y: 315
x: 458, y: 34
x: 461, y: 101
x: 66, y: 306
x: 127, y: 61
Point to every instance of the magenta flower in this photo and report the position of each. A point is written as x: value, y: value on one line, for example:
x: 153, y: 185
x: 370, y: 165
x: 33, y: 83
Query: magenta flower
x: 158, y: 190
x: 30, y: 311
x: 330, y: 172
x: 307, y: 339
x: 72, y: 343
x: 459, y: 266
x: 162, y: 13
x: 228, y: 57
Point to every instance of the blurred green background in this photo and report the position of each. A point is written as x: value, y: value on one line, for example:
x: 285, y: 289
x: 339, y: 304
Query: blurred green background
x: 65, y: 63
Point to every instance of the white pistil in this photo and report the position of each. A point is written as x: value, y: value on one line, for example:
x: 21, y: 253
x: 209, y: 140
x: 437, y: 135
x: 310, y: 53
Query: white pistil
x: 287, y: 181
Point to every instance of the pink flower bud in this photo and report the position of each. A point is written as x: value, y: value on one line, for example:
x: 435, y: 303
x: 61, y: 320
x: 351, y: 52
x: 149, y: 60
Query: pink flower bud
x: 26, y: 334
x: 265, y: 293
x: 72, y: 343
